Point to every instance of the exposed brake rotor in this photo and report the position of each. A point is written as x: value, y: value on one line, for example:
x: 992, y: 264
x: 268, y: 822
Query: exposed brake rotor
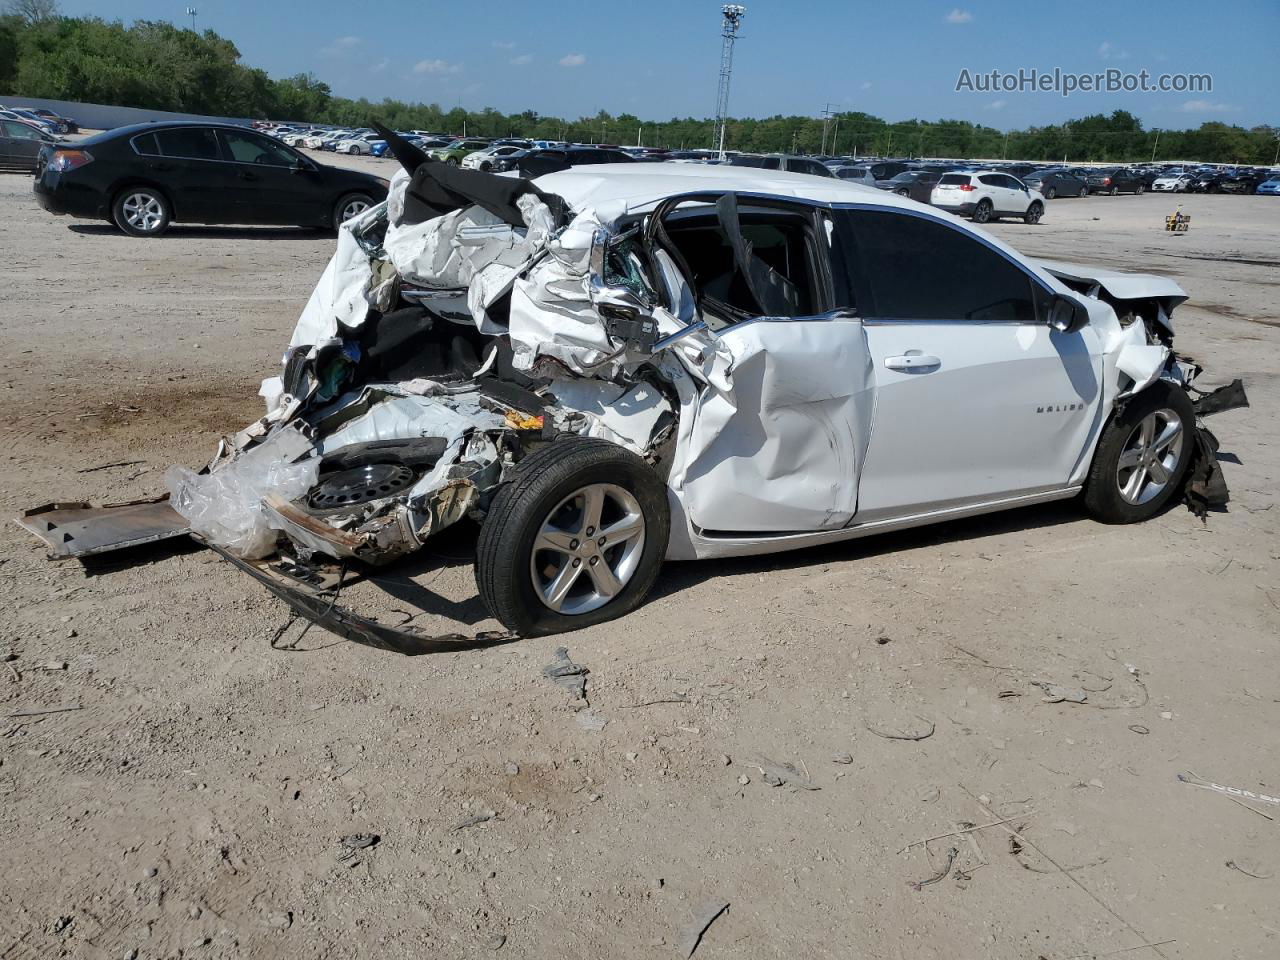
x: 347, y: 488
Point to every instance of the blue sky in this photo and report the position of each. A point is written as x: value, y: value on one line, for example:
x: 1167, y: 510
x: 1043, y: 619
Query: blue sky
x: 660, y: 58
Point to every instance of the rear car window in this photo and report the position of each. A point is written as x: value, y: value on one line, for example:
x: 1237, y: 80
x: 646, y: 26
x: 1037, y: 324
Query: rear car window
x: 146, y: 145
x: 190, y: 143
x: 954, y: 179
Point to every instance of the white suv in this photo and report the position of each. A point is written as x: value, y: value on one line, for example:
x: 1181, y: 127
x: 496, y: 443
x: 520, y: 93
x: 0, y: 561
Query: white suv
x: 987, y: 195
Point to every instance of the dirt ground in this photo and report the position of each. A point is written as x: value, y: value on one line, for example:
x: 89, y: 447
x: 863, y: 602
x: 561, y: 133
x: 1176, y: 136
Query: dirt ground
x: 191, y: 803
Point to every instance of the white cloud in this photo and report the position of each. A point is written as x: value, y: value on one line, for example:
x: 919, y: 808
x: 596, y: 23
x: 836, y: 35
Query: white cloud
x: 522, y: 60
x: 1108, y: 52
x: 340, y: 46
x: 505, y: 44
x: 996, y: 105
x: 959, y: 16
x: 380, y: 66
x: 1206, y: 106
x: 436, y: 66
x: 866, y: 84
x: 573, y: 60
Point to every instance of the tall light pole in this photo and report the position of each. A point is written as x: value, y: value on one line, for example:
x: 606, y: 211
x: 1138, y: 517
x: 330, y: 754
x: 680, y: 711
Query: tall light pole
x: 191, y: 12
x: 733, y: 14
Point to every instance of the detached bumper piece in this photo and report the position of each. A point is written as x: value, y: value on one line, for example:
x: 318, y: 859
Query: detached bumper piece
x: 1206, y: 487
x: 315, y: 598
x: 82, y: 530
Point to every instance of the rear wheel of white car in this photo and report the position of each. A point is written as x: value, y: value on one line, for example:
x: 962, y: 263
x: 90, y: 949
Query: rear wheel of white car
x: 982, y: 212
x: 1034, y: 212
x: 352, y: 205
x: 141, y: 212
x: 575, y: 539
x: 1142, y: 457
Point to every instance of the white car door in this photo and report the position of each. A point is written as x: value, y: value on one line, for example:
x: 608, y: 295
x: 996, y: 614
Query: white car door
x: 779, y: 428
x: 977, y: 398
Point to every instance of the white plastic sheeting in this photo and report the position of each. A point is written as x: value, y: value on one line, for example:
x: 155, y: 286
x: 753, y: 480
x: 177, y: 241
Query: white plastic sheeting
x: 225, y: 505
x: 779, y: 433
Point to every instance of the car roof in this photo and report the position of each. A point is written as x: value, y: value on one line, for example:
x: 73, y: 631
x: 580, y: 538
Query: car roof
x: 134, y: 129
x: 615, y: 189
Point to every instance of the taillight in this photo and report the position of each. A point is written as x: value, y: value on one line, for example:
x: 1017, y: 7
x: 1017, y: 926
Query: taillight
x: 966, y: 187
x: 64, y: 160
x: 1106, y: 181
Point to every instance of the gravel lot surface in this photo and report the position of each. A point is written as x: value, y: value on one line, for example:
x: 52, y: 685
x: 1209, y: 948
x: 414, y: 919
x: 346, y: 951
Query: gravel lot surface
x: 192, y: 804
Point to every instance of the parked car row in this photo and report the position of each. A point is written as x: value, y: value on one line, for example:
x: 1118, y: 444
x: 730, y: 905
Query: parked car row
x: 147, y: 176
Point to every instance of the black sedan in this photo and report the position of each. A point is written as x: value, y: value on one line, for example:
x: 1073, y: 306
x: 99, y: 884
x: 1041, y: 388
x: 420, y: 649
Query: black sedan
x: 1207, y: 181
x: 916, y: 184
x: 147, y: 176
x: 1115, y: 180
x: 1058, y: 183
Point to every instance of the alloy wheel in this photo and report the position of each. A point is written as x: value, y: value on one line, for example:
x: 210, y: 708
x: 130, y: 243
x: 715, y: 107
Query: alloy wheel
x: 353, y: 208
x: 143, y: 212
x: 1150, y: 456
x: 587, y: 549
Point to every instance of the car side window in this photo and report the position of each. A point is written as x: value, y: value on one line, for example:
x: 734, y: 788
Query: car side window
x: 146, y: 145
x: 189, y: 143
x: 246, y: 148
x: 20, y: 131
x: 992, y: 179
x: 906, y: 267
x: 1013, y: 183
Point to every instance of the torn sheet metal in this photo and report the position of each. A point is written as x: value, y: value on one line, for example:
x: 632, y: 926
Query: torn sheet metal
x: 322, y: 609
x: 82, y: 530
x: 628, y: 416
x: 339, y: 295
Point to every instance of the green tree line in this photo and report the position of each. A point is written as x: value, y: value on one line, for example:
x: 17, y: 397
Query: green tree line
x: 154, y: 64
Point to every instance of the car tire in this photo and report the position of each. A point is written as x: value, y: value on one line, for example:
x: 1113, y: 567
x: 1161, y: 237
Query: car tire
x: 1116, y: 493
x: 452, y: 161
x: 903, y: 193
x: 1034, y: 212
x: 982, y: 212
x: 1141, y: 189
x: 1115, y: 191
x: 350, y: 205
x: 531, y: 589
x: 486, y: 166
x: 141, y: 211
x: 1050, y: 194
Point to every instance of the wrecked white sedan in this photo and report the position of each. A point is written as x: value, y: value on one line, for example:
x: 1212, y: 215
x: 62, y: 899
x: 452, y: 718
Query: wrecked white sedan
x: 616, y: 365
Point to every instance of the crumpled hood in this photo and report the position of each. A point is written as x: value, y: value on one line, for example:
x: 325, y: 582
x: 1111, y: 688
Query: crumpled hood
x: 1122, y: 286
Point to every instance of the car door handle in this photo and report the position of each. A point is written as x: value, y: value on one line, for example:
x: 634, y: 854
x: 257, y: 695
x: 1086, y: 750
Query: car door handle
x: 246, y: 175
x: 912, y: 361
x: 162, y: 167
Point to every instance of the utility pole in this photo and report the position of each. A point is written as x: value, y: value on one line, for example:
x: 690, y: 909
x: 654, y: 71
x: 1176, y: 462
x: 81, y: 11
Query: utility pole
x: 826, y: 121
x: 835, y: 137
x: 1277, y: 159
x: 732, y: 19
x: 1157, y: 144
x: 191, y: 12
